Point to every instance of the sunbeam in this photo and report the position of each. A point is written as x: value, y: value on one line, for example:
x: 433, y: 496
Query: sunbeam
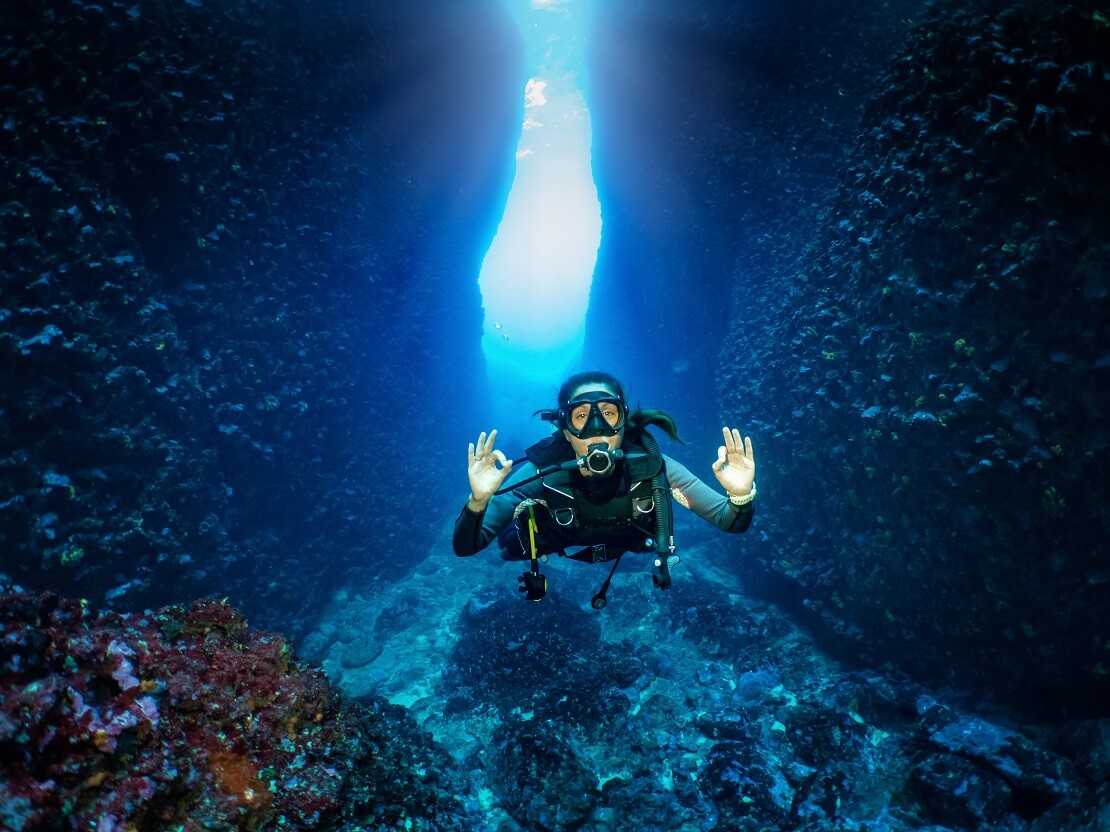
x: 535, y: 279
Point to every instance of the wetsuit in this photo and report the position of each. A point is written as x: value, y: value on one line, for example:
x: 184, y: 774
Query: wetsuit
x: 476, y: 530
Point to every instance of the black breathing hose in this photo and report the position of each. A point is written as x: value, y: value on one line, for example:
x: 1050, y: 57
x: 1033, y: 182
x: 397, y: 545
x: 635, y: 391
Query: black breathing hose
x: 664, y: 539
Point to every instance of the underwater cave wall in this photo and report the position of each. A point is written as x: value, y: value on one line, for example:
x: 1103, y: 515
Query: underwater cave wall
x: 929, y: 379
x: 237, y: 239
x: 718, y: 130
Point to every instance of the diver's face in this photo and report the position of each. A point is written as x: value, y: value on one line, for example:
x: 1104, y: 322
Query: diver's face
x: 579, y: 416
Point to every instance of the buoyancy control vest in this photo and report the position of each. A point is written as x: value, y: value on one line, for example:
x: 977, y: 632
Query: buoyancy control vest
x: 608, y: 523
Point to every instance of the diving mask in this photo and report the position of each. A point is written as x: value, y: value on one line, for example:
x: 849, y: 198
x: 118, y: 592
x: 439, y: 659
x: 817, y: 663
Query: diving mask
x: 592, y: 414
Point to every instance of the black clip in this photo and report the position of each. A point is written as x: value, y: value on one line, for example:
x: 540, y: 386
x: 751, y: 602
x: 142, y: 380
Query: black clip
x: 533, y: 585
x: 661, y: 577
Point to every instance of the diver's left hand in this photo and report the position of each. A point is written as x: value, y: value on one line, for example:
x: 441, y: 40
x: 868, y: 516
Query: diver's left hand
x: 735, y: 465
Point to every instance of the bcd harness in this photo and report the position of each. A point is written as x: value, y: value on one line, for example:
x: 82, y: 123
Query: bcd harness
x: 632, y: 520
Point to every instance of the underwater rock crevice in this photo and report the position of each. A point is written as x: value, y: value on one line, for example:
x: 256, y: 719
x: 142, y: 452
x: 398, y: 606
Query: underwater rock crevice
x: 226, y: 256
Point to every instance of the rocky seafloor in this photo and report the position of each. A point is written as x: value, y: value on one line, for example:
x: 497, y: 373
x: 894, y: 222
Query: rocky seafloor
x: 448, y: 702
x: 185, y: 719
x: 697, y: 708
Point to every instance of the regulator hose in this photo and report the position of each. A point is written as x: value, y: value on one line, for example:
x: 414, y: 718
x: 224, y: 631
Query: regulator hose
x: 664, y: 528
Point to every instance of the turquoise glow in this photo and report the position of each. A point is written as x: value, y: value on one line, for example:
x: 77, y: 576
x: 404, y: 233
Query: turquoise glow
x: 536, y: 276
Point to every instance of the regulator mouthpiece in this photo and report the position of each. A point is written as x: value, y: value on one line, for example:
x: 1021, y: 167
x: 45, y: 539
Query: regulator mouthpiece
x: 599, y: 459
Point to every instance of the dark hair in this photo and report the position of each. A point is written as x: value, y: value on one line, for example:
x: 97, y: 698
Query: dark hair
x: 638, y: 419
x: 641, y: 417
x: 589, y: 377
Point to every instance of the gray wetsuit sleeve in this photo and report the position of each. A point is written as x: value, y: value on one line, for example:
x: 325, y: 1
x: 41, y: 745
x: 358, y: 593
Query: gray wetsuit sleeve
x: 475, y: 531
x: 708, y: 504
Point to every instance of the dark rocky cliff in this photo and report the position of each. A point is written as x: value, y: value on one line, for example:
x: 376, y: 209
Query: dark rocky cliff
x: 929, y: 377
x: 227, y: 235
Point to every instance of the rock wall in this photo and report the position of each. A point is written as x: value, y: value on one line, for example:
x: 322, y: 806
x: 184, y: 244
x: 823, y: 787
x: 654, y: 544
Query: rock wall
x: 238, y: 240
x: 718, y: 129
x: 928, y: 379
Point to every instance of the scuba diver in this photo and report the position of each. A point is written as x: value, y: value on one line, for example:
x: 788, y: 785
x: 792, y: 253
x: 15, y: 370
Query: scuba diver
x: 599, y: 482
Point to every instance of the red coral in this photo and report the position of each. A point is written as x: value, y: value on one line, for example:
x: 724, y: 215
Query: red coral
x: 178, y: 718
x: 236, y: 775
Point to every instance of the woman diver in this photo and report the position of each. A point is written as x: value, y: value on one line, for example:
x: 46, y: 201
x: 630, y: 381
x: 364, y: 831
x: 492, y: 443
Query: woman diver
x: 598, y: 482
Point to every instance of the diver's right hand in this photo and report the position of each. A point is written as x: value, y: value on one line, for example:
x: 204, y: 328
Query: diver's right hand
x: 482, y: 467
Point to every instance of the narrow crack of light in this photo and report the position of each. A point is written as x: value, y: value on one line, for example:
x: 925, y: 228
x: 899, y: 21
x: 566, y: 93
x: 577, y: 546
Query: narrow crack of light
x: 535, y: 279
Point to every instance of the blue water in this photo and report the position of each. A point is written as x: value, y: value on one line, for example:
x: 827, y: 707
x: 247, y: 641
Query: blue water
x: 270, y: 265
x: 536, y: 277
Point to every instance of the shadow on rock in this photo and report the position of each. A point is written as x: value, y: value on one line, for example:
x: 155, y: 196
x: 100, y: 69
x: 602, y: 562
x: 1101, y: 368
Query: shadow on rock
x: 546, y: 659
x: 539, y: 779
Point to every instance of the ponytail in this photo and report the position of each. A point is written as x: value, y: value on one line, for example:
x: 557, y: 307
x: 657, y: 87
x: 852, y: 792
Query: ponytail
x: 641, y: 417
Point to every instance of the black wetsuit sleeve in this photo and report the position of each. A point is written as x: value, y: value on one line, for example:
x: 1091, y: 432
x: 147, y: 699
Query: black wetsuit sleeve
x: 475, y: 531
x: 708, y: 504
